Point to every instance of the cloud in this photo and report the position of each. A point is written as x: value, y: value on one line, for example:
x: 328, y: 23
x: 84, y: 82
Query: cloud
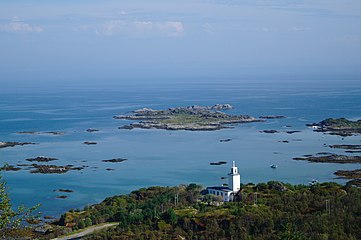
x: 174, y: 29
x: 17, y: 26
x: 300, y: 29
x: 208, y: 28
x: 137, y: 28
x: 111, y: 27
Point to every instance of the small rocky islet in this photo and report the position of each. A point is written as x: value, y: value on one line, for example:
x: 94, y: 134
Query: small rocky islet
x: 191, y: 118
x: 55, y: 133
x: 90, y: 143
x: 272, y: 117
x: 115, y: 160
x: 90, y: 130
x: 41, y: 159
x: 13, y: 144
x: 217, y: 163
x: 8, y: 167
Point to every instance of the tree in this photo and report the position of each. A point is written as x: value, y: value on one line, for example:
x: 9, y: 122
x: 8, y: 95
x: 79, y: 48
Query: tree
x: 11, y: 220
x: 170, y: 216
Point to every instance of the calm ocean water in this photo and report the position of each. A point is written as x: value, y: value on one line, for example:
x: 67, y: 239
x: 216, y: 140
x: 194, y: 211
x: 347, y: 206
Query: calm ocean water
x: 166, y: 158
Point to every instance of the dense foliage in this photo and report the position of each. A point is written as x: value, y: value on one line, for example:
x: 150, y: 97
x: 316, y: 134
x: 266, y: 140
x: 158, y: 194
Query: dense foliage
x: 341, y: 123
x: 11, y: 220
x: 265, y: 211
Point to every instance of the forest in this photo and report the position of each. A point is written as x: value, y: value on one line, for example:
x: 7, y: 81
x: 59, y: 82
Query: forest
x: 272, y: 210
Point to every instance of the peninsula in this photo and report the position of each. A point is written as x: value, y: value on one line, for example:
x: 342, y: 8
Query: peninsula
x: 191, y: 118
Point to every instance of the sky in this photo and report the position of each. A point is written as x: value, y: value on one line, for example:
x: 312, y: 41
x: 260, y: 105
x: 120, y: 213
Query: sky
x: 185, y: 40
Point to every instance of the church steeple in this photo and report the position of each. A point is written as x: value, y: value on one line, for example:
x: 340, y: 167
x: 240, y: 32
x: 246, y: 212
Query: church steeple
x: 234, y: 178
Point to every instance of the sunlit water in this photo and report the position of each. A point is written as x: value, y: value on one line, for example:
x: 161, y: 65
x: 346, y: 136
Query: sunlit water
x: 166, y: 158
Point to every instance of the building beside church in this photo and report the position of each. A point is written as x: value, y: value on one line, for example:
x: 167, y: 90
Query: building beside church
x: 234, y: 185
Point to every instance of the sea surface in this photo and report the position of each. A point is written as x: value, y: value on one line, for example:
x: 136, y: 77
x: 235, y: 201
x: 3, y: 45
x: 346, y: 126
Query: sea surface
x: 160, y: 157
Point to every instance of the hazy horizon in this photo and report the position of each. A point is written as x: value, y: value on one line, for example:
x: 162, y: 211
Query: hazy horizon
x: 179, y: 41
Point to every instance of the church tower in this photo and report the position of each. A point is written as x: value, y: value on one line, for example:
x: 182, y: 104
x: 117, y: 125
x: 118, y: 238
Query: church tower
x: 234, y: 179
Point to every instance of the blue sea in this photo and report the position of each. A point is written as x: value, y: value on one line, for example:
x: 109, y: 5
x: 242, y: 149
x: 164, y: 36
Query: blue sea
x: 160, y: 157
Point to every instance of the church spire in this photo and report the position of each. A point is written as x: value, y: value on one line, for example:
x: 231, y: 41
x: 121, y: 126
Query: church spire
x: 234, y: 178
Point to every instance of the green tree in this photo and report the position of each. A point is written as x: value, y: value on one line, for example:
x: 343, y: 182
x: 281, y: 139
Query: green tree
x: 81, y: 224
x: 11, y: 220
x: 170, y: 216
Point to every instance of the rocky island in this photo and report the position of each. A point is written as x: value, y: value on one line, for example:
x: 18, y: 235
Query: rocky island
x: 8, y: 167
x: 337, y: 126
x: 55, y: 133
x: 115, y: 160
x: 192, y: 118
x: 354, y: 175
x: 47, y: 169
x: 272, y: 117
x: 333, y: 158
x: 13, y: 144
x: 41, y: 159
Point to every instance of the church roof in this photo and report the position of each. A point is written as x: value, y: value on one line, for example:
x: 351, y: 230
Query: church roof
x: 224, y: 189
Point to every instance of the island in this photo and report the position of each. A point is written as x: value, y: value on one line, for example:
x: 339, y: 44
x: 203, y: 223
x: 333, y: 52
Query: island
x: 48, y: 169
x: 56, y: 133
x: 269, y: 131
x: 332, y: 158
x: 337, y: 126
x: 64, y: 190
x: 191, y: 118
x: 346, y: 146
x: 41, y: 159
x: 115, y: 160
x: 292, y: 132
x: 90, y: 143
x: 272, y: 117
x: 13, y: 144
x: 8, y: 167
x: 218, y: 163
x: 355, y: 175
x: 349, y: 174
x: 90, y: 130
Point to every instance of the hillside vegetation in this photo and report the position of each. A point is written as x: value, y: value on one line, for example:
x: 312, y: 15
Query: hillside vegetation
x: 270, y: 210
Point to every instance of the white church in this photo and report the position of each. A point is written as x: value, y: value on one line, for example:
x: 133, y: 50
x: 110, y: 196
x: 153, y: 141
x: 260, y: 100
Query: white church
x: 234, y: 185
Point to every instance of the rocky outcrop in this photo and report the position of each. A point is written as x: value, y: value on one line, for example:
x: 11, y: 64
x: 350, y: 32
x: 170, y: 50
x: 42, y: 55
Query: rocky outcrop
x: 272, y: 117
x: 115, y: 160
x: 349, y: 174
x: 333, y: 158
x: 41, y: 159
x: 47, y: 169
x: 346, y: 146
x: 90, y: 130
x: 36, y: 132
x: 13, y: 144
x: 269, y: 131
x: 9, y: 168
